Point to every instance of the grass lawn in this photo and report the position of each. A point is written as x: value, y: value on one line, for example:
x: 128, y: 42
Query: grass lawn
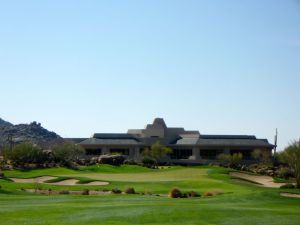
x: 242, y: 202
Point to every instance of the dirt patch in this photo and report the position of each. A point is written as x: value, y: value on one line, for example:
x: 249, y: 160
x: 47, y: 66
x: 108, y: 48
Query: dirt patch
x: 266, y: 181
x: 33, y: 180
x: 290, y: 195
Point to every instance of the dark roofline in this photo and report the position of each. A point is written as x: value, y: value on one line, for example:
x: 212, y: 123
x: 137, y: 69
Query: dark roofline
x: 208, y: 136
x: 75, y: 140
x: 114, y: 136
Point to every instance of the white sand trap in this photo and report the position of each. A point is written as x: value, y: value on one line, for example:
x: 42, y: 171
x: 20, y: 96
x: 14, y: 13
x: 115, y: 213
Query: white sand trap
x: 290, y: 195
x: 66, y: 182
x: 97, y: 183
x: 44, y: 179
x: 266, y: 181
x: 33, y: 180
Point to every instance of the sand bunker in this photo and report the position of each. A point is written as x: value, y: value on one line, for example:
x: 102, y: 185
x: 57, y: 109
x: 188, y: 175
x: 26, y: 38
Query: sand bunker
x: 266, y: 181
x: 290, y: 195
x: 66, y: 182
x: 33, y: 180
x: 97, y: 183
x: 44, y: 179
x: 75, y: 182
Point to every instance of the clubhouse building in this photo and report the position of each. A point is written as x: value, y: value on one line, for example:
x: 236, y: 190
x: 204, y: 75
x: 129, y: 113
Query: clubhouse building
x: 188, y: 147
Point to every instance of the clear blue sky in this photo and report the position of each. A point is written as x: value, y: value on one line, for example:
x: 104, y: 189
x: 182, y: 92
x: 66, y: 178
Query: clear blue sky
x: 221, y: 67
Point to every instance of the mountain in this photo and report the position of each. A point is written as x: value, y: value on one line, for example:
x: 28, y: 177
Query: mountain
x: 32, y: 132
x: 4, y: 123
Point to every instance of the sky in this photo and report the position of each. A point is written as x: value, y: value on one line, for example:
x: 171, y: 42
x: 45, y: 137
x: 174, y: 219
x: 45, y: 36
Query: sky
x: 220, y: 67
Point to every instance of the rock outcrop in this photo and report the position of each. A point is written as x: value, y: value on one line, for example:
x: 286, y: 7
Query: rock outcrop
x: 32, y: 132
x: 4, y: 123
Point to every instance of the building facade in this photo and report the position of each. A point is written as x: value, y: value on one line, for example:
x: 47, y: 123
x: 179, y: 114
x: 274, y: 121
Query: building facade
x: 188, y: 147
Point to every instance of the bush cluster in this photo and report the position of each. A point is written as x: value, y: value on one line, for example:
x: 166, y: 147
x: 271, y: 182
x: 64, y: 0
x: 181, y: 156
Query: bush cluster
x: 116, y: 191
x: 176, y: 193
x: 85, y: 192
x: 115, y: 160
x: 64, y: 192
x: 28, y: 155
x: 287, y: 186
x: 285, y: 173
x: 129, y: 190
x: 149, y: 162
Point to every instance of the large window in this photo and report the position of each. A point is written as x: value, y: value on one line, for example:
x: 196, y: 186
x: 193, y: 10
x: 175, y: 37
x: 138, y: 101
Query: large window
x: 246, y: 153
x: 122, y: 151
x: 93, y: 151
x: 181, y: 153
x: 210, y: 153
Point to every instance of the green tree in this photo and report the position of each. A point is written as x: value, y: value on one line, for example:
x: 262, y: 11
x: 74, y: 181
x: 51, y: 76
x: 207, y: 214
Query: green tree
x: 67, y: 153
x: 24, y: 153
x: 256, y: 154
x: 291, y: 156
x: 225, y: 159
x: 157, y: 151
x: 230, y: 160
x: 236, y: 158
x: 154, y: 153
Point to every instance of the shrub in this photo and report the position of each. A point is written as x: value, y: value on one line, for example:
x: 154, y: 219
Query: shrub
x: 37, y: 186
x: 285, y: 173
x: 115, y: 160
x: 130, y: 162
x: 64, y: 192
x: 24, y: 153
x: 218, y: 192
x: 130, y: 190
x: 184, y: 195
x: 236, y: 159
x: 157, y: 151
x: 147, y: 192
x: 85, y: 192
x: 192, y: 194
x: 256, y: 154
x: 207, y: 194
x: 175, y: 193
x: 224, y: 159
x: 67, y: 153
x: 116, y: 191
x: 230, y: 160
x: 288, y: 186
x: 291, y: 156
x: 149, y: 162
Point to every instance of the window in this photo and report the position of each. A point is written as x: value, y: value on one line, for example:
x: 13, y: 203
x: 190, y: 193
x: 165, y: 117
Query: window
x: 93, y: 151
x: 181, y: 153
x: 246, y: 153
x: 210, y: 153
x: 122, y: 151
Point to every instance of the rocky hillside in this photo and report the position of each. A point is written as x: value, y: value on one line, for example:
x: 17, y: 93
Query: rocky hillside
x: 4, y: 123
x: 32, y: 132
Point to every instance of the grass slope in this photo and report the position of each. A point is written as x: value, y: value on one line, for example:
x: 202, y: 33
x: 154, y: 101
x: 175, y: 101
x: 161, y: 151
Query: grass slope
x: 242, y: 202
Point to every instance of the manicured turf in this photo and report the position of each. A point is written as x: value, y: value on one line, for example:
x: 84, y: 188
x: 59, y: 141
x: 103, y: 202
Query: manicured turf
x: 242, y: 202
